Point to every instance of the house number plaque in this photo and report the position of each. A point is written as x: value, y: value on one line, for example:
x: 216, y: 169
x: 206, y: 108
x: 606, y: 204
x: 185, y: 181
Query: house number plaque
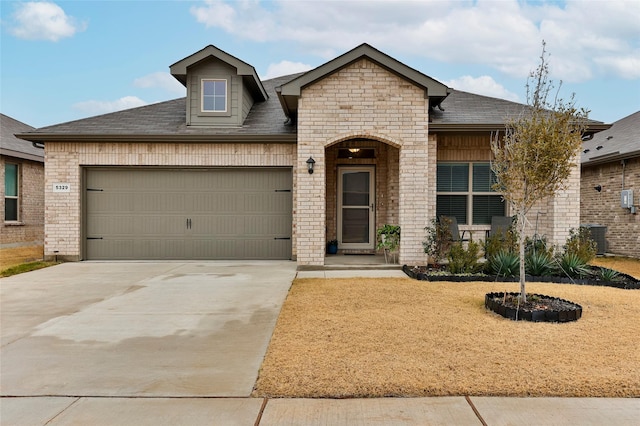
x: 62, y: 187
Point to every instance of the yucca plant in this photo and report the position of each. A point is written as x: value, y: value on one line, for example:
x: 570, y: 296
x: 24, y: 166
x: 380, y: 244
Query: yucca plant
x: 573, y: 266
x: 504, y: 263
x: 539, y: 264
x: 607, y: 274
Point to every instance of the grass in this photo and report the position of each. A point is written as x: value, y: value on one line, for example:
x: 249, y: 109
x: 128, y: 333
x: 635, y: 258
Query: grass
x: 25, y: 267
x: 626, y: 265
x: 400, y: 337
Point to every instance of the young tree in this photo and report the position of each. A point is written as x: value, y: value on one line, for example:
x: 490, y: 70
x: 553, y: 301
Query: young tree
x: 538, y: 150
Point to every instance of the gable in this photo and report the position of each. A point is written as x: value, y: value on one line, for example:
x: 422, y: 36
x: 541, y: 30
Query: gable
x: 290, y: 92
x: 221, y: 89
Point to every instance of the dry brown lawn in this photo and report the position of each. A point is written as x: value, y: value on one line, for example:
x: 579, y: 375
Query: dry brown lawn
x: 401, y: 337
x: 15, y: 256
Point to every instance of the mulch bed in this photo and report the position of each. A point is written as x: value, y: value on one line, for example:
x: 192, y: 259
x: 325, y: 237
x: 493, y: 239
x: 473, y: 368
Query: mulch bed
x: 432, y: 273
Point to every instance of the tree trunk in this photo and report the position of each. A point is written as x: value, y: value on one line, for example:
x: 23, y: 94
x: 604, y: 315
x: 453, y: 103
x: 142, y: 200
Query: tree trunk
x: 521, y: 237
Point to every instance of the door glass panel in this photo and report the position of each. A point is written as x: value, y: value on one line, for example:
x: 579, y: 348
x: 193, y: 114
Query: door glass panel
x: 355, y: 225
x: 355, y: 189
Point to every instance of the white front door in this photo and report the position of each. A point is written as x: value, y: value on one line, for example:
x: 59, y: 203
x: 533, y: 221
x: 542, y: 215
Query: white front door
x: 356, y: 207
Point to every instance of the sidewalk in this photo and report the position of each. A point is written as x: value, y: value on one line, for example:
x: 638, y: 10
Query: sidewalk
x: 56, y: 411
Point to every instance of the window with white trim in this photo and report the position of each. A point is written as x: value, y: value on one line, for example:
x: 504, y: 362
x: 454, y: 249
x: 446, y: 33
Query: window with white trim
x: 11, y: 192
x: 214, y: 95
x: 464, y: 191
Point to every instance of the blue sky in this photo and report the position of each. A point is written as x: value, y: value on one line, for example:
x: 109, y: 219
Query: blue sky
x: 66, y: 60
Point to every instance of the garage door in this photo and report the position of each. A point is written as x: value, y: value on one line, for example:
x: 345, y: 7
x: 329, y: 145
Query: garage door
x: 230, y: 213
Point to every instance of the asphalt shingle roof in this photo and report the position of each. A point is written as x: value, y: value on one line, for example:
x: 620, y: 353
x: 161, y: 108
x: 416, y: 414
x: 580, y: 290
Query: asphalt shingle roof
x: 461, y: 110
x: 621, y: 140
x: 13, y: 146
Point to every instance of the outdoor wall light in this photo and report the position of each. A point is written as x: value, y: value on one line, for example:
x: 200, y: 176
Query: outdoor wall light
x: 598, y: 188
x: 310, y: 163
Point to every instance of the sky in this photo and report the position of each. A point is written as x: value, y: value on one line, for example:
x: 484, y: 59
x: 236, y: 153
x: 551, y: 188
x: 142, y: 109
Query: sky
x: 67, y: 60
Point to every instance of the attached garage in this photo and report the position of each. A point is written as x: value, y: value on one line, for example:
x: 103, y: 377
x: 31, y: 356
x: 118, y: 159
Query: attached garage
x: 199, y: 213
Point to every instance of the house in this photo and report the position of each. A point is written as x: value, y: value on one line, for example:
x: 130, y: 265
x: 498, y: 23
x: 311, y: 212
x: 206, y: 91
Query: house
x: 610, y: 185
x: 248, y: 169
x: 22, y: 165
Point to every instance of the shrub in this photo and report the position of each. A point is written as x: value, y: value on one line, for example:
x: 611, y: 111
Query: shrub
x: 439, y: 240
x: 607, y: 274
x: 538, y: 244
x: 538, y: 263
x: 581, y: 245
x: 573, y: 266
x: 464, y: 261
x: 504, y: 263
x: 496, y: 243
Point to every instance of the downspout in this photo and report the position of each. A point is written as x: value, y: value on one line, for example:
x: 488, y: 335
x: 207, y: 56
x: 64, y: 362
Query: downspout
x: 624, y: 163
x: 38, y: 145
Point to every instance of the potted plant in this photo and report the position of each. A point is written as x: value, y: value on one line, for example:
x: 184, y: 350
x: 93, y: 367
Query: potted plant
x: 388, y: 240
x: 332, y: 247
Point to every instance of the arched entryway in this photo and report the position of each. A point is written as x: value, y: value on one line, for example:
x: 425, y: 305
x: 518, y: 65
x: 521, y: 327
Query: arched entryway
x: 362, y: 178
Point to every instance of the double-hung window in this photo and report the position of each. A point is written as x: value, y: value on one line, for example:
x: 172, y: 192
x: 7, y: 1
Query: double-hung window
x: 214, y: 95
x: 11, y: 192
x: 464, y: 191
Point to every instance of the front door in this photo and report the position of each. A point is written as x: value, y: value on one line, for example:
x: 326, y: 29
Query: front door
x: 356, y: 207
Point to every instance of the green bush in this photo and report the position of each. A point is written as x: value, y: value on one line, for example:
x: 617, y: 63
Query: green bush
x: 538, y: 244
x: 496, y: 243
x: 504, y: 263
x: 439, y: 240
x: 581, y: 245
x: 573, y: 266
x: 538, y: 263
x: 464, y: 261
x: 609, y: 274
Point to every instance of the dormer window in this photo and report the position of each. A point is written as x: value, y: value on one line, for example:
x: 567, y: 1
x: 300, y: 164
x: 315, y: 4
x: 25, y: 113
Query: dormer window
x: 214, y: 95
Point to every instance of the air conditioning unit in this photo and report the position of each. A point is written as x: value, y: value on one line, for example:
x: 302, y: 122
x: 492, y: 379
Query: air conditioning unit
x: 626, y: 198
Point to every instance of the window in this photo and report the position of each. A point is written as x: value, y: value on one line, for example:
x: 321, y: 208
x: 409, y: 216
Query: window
x: 464, y: 191
x: 11, y: 192
x: 214, y: 95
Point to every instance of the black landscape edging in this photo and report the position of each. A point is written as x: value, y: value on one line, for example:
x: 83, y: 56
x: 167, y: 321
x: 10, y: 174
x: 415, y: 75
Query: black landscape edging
x: 492, y: 302
x: 630, y: 282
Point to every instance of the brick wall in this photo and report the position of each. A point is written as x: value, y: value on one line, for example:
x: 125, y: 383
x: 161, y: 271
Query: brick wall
x: 363, y: 101
x: 603, y: 208
x: 64, y: 160
x: 29, y: 230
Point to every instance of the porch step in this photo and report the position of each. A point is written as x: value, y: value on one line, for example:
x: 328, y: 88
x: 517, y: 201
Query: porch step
x: 357, y: 252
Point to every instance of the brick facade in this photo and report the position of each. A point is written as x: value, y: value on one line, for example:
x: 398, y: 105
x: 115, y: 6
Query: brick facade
x: 63, y: 214
x: 363, y: 101
x: 29, y: 230
x: 603, y: 208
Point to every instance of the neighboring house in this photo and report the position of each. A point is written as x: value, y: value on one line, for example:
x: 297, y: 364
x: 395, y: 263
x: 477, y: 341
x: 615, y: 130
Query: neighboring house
x: 249, y: 169
x: 611, y: 176
x: 22, y: 165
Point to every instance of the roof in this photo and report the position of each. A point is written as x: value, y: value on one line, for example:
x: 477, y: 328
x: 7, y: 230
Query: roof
x: 246, y: 71
x: 14, y: 147
x: 290, y: 91
x: 267, y: 120
x: 166, y: 121
x: 620, y: 141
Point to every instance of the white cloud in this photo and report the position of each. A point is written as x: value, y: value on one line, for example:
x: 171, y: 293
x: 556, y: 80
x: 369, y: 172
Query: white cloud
x: 483, y: 85
x: 94, y: 107
x: 504, y: 35
x: 162, y: 80
x: 44, y: 21
x: 285, y: 68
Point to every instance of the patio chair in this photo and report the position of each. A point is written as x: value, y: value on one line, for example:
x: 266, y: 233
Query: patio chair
x: 453, y: 228
x: 500, y: 225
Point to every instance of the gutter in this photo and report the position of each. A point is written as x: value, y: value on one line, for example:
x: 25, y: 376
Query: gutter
x: 608, y: 158
x: 41, y: 138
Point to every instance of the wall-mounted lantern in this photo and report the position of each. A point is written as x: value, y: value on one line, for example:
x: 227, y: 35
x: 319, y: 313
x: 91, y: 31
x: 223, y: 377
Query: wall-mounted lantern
x: 310, y: 163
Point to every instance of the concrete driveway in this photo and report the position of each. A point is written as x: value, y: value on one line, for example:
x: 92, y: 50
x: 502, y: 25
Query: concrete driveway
x: 171, y: 329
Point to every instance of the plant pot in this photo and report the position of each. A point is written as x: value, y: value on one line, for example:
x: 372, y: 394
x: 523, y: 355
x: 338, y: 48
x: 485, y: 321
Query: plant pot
x: 332, y: 248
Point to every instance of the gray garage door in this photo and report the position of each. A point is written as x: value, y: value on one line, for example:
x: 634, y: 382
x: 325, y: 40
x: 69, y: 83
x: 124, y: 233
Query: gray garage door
x: 225, y: 213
